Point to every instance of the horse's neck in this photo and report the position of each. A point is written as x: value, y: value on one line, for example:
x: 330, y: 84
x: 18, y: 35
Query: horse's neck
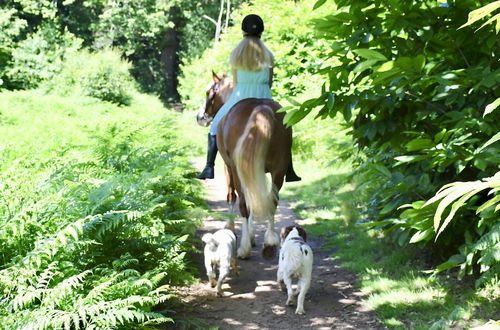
x: 226, y: 90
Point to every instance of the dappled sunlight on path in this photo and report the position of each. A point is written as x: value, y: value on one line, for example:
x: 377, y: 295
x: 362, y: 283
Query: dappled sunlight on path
x: 253, y: 299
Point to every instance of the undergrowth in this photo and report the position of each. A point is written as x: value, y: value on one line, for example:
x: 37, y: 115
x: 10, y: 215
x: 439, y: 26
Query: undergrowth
x: 395, y: 280
x: 97, y: 214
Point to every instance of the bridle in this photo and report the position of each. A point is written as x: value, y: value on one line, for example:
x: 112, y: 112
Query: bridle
x: 210, y: 102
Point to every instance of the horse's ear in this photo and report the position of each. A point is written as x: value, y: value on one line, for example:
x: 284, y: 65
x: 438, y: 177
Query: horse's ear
x: 215, y: 77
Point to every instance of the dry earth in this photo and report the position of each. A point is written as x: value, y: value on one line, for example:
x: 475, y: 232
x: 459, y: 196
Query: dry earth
x: 253, y: 299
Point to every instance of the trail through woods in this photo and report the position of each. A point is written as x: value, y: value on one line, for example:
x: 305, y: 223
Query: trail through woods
x: 253, y: 299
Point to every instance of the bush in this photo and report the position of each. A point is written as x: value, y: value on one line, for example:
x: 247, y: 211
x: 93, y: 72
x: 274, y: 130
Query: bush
x: 38, y: 58
x: 10, y: 28
x: 103, y: 75
x: 419, y: 94
x: 96, y: 216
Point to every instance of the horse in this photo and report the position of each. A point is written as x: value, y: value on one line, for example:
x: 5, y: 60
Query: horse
x: 252, y: 140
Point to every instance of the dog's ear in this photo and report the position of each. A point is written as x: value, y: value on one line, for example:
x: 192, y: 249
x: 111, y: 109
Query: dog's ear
x: 302, y: 233
x: 207, y: 238
x: 285, y: 231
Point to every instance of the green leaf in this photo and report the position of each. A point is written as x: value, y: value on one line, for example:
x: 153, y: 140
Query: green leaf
x: 478, y: 14
x: 419, y: 144
x: 292, y: 101
x: 330, y: 101
x: 370, y: 54
x: 285, y: 109
x: 294, y: 116
x: 494, y: 139
x: 445, y: 266
x: 364, y: 65
x: 489, y: 203
x: 410, y: 158
x: 492, y: 106
x: 382, y: 169
x: 318, y: 4
x: 386, y: 76
x: 421, y: 235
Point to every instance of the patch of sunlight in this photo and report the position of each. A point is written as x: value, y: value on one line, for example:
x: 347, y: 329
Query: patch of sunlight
x: 324, y: 214
x: 405, y: 297
x: 418, y: 283
x: 346, y: 188
x: 382, y: 284
x: 392, y: 323
x: 308, y: 221
x: 490, y: 290
x: 490, y: 325
x: 232, y: 321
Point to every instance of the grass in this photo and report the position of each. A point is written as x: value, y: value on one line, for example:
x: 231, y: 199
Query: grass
x: 393, y: 278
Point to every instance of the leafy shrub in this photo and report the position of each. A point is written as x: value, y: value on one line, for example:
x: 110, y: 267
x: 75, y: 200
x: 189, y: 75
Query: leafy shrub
x: 414, y: 91
x: 103, y: 75
x: 10, y: 28
x: 97, y: 234
x: 38, y: 58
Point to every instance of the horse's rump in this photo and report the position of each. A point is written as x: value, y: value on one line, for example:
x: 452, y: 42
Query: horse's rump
x: 253, y: 141
x: 250, y: 157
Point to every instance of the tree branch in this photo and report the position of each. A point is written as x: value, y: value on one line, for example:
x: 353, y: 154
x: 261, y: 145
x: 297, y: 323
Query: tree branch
x: 432, y: 105
x: 210, y: 19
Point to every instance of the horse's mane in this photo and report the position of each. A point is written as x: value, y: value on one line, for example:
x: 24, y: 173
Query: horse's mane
x: 226, y: 86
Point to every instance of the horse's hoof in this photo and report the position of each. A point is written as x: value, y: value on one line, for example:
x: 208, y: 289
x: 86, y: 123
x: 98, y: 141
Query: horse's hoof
x: 269, y: 252
x: 243, y: 255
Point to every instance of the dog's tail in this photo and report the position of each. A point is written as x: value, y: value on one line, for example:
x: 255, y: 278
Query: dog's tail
x: 209, y: 239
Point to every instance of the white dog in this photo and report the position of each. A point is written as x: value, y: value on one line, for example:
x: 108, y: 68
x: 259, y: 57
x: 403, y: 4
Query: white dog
x: 220, y: 250
x: 296, y: 260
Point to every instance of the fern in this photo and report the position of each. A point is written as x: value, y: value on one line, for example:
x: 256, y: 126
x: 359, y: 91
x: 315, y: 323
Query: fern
x: 92, y: 232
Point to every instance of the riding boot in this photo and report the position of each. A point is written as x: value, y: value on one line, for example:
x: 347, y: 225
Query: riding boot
x: 208, y: 171
x: 291, y: 176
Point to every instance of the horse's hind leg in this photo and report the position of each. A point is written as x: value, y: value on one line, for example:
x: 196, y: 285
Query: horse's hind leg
x: 231, y: 194
x: 251, y: 230
x: 271, y: 238
x: 245, y: 248
x: 271, y: 241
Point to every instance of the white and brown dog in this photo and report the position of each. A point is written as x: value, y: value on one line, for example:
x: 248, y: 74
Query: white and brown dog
x: 296, y: 261
x: 220, y: 250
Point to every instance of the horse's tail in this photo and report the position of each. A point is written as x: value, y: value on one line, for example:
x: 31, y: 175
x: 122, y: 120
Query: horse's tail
x: 250, y: 159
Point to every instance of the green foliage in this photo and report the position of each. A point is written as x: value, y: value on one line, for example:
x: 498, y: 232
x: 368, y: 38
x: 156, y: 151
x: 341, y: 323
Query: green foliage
x: 103, y: 75
x: 483, y: 12
x: 419, y: 94
x: 96, y: 215
x: 10, y: 29
x: 150, y: 34
x: 394, y: 280
x: 38, y: 58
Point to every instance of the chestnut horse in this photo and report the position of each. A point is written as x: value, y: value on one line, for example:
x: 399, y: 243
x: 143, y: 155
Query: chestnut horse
x: 253, y: 141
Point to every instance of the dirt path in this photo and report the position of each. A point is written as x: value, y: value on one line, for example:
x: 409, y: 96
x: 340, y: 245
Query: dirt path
x: 253, y: 300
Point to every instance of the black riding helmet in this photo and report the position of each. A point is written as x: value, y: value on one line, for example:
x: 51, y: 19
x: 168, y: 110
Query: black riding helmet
x: 252, y: 25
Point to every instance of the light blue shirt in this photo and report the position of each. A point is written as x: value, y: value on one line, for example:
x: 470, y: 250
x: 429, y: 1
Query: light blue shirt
x: 250, y: 84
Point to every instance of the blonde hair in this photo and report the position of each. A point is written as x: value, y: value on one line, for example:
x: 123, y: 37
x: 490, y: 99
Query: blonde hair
x: 251, y: 54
